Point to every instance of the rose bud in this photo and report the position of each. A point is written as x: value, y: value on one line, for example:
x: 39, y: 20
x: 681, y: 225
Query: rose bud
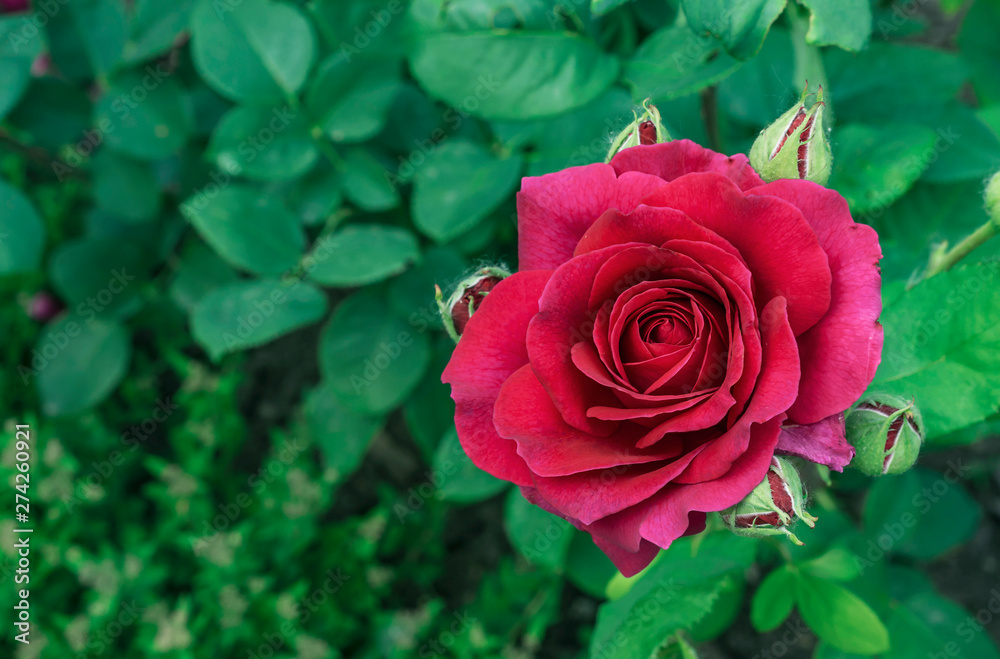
x: 796, y: 145
x: 468, y: 295
x: 44, y: 306
x: 886, y: 432
x: 993, y: 198
x: 772, y: 506
x: 645, y: 130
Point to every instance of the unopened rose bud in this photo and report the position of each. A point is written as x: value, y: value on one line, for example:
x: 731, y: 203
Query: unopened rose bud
x: 993, y: 198
x: 772, y: 506
x: 886, y: 432
x: 468, y: 295
x: 645, y: 130
x: 795, y: 146
x: 44, y: 306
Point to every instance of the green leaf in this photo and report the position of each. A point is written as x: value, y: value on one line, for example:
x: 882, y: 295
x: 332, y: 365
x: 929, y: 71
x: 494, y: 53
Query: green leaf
x: 22, y: 234
x: 371, y: 358
x: 342, y: 435
x: 95, y: 29
x: 741, y: 25
x: 245, y: 314
x: 587, y: 567
x: 663, y: 610
x: 363, y: 254
x: 21, y: 44
x: 675, y: 62
x: 459, y: 185
x: 840, y: 617
x: 413, y: 296
x: 920, y: 514
x: 460, y: 480
x: 125, y: 187
x: 725, y: 610
x: 82, y: 362
x: 264, y: 144
x: 199, y: 272
x: 981, y: 49
x: 874, y: 166
x: 513, y: 75
x: 317, y: 196
x: 256, y: 52
x: 56, y: 112
x: 944, y: 347
x: 675, y: 593
x: 601, y: 7
x: 838, y: 564
x: 155, y: 26
x: 773, y: 601
x: 891, y: 82
x: 144, y: 115
x: 430, y: 411
x: 928, y: 625
x: 350, y: 100
x: 367, y: 183
x: 540, y: 536
x: 761, y: 90
x: 101, y: 276
x: 844, y: 23
x: 966, y: 148
x: 249, y: 229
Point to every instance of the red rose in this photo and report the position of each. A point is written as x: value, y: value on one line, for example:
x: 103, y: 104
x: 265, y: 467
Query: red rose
x: 675, y: 322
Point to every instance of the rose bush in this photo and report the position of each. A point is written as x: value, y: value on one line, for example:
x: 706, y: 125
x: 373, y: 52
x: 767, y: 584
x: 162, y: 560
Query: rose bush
x: 674, y: 323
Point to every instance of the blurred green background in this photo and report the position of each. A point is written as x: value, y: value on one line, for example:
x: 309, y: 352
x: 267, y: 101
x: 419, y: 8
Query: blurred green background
x: 221, y: 224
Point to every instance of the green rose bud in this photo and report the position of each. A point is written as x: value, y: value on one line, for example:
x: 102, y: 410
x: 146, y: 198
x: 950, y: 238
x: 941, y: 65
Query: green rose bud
x: 993, y: 198
x: 772, y: 506
x: 646, y: 129
x: 796, y: 145
x: 886, y: 432
x: 468, y: 295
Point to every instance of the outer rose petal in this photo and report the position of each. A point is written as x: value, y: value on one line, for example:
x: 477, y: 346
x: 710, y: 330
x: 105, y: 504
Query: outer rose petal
x: 555, y: 210
x: 491, y: 349
x: 675, y: 159
x: 824, y: 442
x: 667, y: 515
x: 842, y: 351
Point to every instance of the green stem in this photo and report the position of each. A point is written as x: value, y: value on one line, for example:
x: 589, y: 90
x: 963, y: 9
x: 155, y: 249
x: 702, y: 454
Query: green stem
x: 318, y: 135
x: 808, y: 60
x: 710, y: 115
x: 944, y: 259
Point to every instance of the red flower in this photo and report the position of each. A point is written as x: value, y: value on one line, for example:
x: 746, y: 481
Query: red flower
x: 675, y: 323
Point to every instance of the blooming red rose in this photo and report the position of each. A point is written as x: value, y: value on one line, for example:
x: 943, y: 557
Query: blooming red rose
x: 675, y: 322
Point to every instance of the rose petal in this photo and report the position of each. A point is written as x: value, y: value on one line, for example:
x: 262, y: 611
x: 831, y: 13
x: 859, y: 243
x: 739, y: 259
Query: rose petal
x: 490, y: 351
x: 842, y: 351
x: 674, y: 159
x: 549, y: 445
x: 823, y: 442
x: 774, y: 239
x: 555, y: 210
